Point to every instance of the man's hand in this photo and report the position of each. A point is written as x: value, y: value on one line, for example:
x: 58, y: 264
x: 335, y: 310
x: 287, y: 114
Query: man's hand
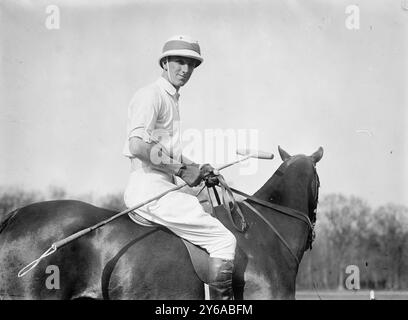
x: 191, y: 174
x: 209, y: 175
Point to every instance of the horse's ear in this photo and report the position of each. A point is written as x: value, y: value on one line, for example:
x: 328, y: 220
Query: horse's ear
x: 317, y: 155
x: 283, y: 154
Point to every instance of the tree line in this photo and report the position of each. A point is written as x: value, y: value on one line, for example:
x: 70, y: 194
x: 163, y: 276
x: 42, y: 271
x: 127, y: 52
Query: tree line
x: 351, y: 233
x: 348, y: 233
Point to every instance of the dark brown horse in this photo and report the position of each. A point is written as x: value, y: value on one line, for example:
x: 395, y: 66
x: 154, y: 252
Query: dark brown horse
x: 123, y: 260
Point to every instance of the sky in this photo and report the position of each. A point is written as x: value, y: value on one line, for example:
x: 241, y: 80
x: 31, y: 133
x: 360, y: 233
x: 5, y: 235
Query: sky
x: 289, y: 73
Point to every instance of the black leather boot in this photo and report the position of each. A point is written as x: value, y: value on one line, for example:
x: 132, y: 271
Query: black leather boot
x: 220, y: 279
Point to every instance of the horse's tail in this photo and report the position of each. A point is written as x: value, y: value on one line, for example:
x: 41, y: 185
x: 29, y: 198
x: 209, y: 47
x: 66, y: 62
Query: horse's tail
x: 6, y: 218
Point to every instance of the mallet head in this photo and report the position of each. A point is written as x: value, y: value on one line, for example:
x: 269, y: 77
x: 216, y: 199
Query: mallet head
x: 255, y: 154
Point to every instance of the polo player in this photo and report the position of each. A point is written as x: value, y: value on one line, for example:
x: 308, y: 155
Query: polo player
x: 153, y: 146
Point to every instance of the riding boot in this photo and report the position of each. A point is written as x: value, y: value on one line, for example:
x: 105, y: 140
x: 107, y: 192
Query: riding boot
x: 220, y: 279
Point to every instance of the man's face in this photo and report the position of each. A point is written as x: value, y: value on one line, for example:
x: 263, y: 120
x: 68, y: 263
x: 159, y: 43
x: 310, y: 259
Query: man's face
x: 180, y: 70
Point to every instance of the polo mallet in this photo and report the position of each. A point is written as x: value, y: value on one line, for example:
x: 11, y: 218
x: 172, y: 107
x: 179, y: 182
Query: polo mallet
x: 248, y: 153
x: 56, y: 245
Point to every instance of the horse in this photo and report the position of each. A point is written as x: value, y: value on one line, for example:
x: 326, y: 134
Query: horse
x: 123, y: 260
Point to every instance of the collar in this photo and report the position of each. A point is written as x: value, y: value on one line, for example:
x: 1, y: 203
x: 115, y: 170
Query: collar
x: 167, y: 86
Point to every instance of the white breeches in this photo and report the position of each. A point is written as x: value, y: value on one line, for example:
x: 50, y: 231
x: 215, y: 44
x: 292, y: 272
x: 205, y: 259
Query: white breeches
x: 182, y: 213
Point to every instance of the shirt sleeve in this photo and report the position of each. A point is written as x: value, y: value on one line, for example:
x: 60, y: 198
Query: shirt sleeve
x: 143, y: 113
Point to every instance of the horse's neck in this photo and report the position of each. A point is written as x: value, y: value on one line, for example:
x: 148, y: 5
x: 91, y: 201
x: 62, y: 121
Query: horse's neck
x: 265, y: 267
x: 265, y: 192
x: 289, y: 197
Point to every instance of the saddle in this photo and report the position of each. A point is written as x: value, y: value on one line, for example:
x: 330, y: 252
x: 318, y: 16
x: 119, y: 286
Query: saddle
x: 200, y: 257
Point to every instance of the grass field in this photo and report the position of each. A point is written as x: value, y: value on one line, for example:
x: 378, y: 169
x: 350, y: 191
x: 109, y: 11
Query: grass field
x: 350, y: 295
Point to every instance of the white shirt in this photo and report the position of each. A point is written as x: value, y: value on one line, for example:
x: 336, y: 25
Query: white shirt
x: 153, y: 115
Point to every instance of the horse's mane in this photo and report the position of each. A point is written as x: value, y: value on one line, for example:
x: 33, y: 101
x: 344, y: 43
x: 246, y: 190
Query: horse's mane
x: 5, y: 219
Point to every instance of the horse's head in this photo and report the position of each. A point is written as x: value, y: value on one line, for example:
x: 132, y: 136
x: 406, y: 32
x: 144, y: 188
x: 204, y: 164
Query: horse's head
x: 295, y: 184
x: 299, y: 183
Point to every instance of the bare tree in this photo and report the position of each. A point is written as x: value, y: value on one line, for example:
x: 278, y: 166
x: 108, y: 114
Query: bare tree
x: 56, y: 193
x: 112, y: 201
x: 14, y: 198
x: 390, y: 236
x: 344, y: 222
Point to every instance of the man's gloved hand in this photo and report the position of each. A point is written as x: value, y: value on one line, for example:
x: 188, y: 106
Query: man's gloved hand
x: 191, y: 174
x: 209, y: 175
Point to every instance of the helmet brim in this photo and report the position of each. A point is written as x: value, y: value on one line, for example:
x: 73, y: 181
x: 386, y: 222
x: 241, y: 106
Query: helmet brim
x: 181, y: 53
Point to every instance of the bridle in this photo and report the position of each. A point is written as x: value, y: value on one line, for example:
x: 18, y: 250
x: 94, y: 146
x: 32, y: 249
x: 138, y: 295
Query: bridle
x: 231, y: 206
x: 315, y: 185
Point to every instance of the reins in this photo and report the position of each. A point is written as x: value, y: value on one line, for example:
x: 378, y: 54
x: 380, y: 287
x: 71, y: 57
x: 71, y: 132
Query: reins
x: 270, y: 225
x: 285, y: 210
x: 231, y: 206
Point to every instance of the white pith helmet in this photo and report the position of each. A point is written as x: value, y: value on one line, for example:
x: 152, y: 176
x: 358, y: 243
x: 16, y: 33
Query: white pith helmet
x: 182, y: 46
